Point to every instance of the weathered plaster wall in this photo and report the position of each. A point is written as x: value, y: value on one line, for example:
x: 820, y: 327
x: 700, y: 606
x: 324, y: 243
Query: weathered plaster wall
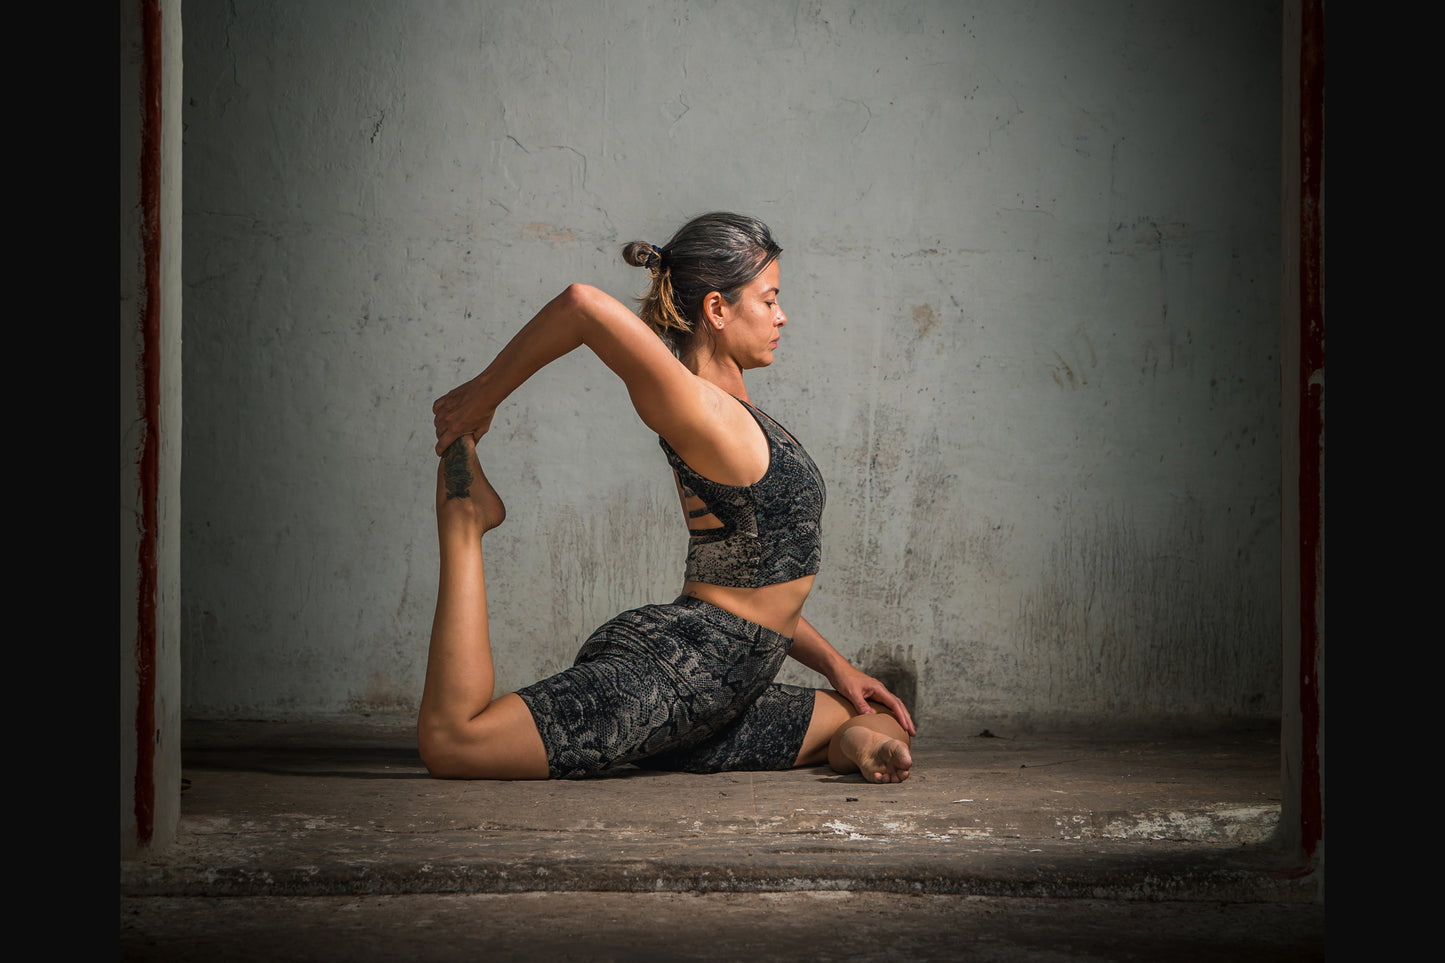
x: 1032, y: 272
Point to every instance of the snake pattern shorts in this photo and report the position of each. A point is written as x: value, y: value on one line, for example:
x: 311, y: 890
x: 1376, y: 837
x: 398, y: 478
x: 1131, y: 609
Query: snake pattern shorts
x: 685, y: 687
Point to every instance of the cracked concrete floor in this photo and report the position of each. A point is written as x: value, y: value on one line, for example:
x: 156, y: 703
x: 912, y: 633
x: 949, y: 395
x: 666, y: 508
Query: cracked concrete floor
x: 329, y: 840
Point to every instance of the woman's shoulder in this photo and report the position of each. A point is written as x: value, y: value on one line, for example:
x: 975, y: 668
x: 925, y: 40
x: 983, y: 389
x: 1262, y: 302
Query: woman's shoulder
x: 731, y: 446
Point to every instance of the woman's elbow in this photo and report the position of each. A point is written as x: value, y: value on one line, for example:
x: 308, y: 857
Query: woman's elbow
x: 579, y: 297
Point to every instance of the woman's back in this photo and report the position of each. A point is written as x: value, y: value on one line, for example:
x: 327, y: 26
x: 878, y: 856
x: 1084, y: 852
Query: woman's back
x: 748, y: 539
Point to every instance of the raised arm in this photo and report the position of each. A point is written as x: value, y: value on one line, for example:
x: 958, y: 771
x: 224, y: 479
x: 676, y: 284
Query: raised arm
x: 671, y: 400
x: 814, y: 651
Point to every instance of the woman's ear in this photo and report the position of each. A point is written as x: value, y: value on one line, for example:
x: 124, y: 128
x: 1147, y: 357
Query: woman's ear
x: 714, y: 309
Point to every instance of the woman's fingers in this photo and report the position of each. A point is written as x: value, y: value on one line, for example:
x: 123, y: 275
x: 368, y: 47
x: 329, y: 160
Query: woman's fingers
x: 900, y: 711
x: 446, y: 420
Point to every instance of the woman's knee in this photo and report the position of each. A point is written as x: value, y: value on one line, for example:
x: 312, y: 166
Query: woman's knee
x: 499, y: 743
x: 443, y: 748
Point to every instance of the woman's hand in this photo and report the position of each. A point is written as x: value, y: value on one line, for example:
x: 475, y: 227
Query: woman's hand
x: 666, y: 395
x: 858, y: 687
x: 464, y: 410
x: 814, y: 651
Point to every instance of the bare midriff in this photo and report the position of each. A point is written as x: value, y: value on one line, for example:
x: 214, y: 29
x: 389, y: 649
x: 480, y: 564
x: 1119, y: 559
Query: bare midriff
x: 777, y: 607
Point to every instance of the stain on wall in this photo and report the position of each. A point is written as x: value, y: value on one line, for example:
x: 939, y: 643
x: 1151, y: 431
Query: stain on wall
x: 894, y: 667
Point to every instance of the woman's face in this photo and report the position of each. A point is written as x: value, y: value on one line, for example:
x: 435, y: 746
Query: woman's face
x: 752, y: 325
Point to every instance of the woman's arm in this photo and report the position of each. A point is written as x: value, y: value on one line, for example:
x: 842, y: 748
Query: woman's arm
x: 670, y: 399
x: 814, y: 651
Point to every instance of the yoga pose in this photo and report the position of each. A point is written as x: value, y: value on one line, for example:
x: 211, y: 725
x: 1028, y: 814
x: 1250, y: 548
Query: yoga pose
x: 688, y: 685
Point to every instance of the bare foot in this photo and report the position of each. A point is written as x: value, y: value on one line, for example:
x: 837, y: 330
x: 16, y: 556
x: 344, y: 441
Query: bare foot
x: 880, y: 759
x: 463, y: 490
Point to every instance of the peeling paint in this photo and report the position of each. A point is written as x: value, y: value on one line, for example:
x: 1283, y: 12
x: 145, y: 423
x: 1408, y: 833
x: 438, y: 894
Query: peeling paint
x: 545, y: 232
x: 926, y: 318
x: 1246, y: 825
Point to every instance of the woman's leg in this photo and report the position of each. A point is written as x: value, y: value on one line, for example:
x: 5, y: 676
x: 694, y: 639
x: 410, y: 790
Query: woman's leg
x: 873, y: 745
x: 461, y: 732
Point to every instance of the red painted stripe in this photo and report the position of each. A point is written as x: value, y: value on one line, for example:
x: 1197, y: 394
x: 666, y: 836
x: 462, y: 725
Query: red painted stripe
x: 150, y: 320
x: 1312, y: 415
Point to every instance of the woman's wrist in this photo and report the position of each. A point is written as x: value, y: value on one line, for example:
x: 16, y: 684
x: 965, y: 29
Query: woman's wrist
x: 487, y: 390
x: 835, y: 667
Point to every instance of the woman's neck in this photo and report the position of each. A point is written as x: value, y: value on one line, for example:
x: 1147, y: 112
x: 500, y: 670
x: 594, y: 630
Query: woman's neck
x: 720, y: 371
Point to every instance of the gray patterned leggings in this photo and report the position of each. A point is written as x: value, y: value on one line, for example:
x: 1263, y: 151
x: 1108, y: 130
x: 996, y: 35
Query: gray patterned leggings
x: 686, y: 686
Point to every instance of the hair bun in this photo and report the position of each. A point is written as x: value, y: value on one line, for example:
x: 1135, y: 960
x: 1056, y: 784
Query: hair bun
x: 643, y: 255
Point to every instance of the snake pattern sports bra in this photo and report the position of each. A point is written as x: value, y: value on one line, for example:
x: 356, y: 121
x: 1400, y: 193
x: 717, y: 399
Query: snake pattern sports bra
x: 771, y: 531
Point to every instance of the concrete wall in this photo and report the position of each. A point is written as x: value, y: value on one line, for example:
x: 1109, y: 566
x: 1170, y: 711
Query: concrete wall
x: 1032, y: 271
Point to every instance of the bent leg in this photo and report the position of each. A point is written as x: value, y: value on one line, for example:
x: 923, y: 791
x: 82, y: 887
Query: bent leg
x: 765, y: 736
x: 461, y: 732
x: 875, y: 746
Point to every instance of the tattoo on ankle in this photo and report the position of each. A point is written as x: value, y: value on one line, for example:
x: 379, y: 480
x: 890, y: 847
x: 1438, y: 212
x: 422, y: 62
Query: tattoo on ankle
x: 457, y: 473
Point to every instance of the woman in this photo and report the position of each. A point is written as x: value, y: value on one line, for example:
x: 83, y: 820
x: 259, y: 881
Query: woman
x: 687, y: 685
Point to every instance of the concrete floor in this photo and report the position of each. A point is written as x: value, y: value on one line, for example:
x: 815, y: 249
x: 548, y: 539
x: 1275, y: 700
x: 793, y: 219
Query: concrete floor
x: 329, y: 841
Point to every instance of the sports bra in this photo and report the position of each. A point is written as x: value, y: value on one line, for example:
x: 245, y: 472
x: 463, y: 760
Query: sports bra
x: 771, y: 530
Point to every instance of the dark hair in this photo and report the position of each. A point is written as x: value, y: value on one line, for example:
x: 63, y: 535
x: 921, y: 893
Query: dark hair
x: 715, y: 252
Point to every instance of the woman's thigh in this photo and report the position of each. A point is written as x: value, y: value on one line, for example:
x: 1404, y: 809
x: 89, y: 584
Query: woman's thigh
x: 688, y: 684
x: 765, y: 736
